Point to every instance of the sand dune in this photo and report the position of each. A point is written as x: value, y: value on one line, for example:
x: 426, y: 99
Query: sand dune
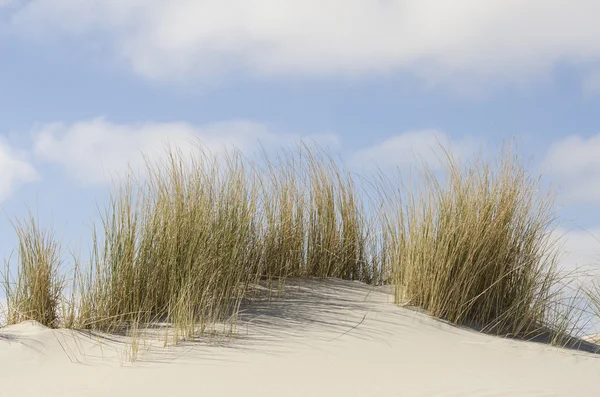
x: 322, y: 338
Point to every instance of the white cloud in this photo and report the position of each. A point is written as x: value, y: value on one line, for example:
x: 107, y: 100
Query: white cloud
x: 412, y: 148
x: 574, y: 163
x: 494, y: 40
x: 14, y: 170
x: 97, y: 151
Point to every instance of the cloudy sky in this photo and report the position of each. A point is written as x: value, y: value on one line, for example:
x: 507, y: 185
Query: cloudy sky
x: 85, y: 85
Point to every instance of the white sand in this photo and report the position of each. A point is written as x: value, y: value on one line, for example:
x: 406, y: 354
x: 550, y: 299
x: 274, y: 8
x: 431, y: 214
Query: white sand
x: 312, y: 343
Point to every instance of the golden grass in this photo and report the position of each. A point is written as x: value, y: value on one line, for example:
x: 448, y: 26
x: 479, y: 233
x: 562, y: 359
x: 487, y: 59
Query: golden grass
x: 189, y: 242
x: 36, y: 293
x: 474, y: 246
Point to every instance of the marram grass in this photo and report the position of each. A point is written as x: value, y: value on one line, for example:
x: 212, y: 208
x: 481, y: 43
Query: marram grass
x: 36, y: 293
x: 475, y: 246
x: 187, y: 243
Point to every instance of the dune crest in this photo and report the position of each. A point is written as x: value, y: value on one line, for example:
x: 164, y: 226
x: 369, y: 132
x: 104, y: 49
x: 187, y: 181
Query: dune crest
x: 319, y: 338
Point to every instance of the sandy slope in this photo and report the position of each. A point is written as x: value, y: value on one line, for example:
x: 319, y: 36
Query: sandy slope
x: 326, y: 338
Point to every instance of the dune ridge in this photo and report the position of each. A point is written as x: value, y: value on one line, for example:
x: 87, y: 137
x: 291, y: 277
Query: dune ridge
x: 317, y: 338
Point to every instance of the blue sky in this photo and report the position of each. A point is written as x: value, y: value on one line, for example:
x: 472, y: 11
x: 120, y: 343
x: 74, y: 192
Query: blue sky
x: 85, y: 85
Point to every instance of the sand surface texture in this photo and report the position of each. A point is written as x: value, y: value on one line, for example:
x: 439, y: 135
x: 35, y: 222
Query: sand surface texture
x: 322, y: 338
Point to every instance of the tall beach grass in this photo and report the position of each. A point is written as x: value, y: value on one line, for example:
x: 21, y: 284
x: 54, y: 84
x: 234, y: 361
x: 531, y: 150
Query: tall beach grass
x: 474, y: 245
x: 36, y: 293
x: 186, y: 244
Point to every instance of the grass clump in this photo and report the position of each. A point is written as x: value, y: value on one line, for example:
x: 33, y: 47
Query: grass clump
x: 475, y: 248
x: 312, y: 217
x: 336, y: 233
x: 36, y: 293
x: 187, y: 244
x: 283, y: 223
x: 180, y: 247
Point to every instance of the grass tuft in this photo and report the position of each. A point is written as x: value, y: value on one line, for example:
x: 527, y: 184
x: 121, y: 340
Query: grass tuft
x: 36, y: 294
x: 474, y: 246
